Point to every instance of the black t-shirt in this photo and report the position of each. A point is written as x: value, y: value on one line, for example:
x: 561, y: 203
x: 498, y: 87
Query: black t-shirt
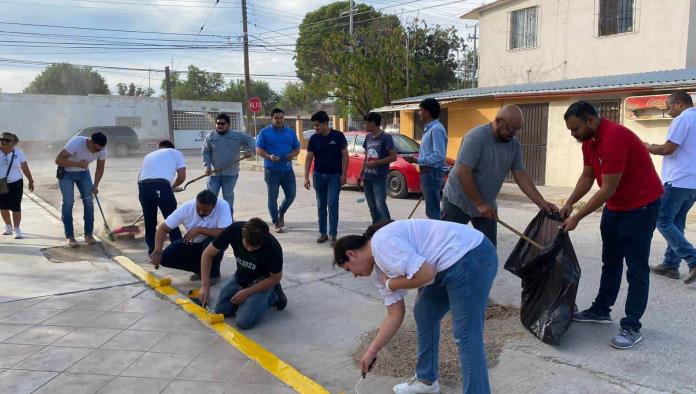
x: 327, y: 151
x: 251, y: 266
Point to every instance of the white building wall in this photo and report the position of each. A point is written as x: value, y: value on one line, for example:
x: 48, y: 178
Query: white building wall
x: 568, y: 46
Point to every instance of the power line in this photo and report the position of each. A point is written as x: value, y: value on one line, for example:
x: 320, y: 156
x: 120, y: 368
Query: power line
x: 111, y: 30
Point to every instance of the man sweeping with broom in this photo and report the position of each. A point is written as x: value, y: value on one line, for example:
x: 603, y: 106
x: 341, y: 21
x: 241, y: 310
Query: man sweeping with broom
x: 161, y: 171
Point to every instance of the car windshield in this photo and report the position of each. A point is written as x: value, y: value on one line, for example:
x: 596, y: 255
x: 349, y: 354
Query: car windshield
x: 405, y: 145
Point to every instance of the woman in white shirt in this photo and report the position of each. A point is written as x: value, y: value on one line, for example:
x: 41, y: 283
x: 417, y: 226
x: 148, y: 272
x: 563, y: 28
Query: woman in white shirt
x: 12, y: 164
x: 454, y: 264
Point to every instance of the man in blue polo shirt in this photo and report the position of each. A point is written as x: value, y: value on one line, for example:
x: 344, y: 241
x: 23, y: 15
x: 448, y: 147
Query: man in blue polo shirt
x: 278, y: 145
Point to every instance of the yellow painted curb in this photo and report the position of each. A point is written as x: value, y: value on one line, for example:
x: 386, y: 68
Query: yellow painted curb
x: 283, y: 371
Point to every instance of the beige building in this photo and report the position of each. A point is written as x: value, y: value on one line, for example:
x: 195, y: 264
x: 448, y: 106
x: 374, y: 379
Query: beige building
x: 527, y: 41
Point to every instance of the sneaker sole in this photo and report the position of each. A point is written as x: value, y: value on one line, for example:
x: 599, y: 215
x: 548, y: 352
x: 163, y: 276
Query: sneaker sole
x: 593, y: 321
x: 626, y: 347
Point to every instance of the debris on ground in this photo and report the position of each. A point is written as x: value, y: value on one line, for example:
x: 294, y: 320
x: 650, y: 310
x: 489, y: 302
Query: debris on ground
x: 398, y: 358
x: 61, y: 254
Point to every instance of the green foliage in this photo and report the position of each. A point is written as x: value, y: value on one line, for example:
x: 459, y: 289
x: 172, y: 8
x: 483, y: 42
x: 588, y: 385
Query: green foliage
x: 64, y: 78
x: 296, y: 98
x: 260, y: 89
x: 198, y: 85
x: 133, y: 90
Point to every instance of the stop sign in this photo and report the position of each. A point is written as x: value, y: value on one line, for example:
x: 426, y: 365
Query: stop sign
x: 255, y: 105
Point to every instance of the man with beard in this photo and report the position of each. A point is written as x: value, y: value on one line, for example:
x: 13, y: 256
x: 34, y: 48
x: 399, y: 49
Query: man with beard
x: 488, y: 152
x: 630, y: 191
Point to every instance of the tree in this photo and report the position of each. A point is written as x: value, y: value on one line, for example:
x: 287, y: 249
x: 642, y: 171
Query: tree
x: 260, y: 89
x: 296, y: 98
x: 198, y: 85
x: 64, y: 78
x: 133, y: 90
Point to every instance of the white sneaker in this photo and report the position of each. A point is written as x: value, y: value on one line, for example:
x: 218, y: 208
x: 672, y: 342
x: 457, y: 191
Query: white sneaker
x: 18, y: 233
x: 8, y: 230
x: 415, y: 386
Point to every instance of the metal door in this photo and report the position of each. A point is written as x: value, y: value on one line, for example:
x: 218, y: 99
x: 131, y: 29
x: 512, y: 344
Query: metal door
x: 533, y: 141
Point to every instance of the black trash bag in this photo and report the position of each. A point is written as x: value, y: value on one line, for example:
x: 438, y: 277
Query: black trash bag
x: 550, y: 278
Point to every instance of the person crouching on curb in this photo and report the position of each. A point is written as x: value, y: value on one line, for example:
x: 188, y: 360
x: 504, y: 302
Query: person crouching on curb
x: 454, y: 264
x: 255, y: 287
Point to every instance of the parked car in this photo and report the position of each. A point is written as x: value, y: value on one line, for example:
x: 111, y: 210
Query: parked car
x: 403, y: 176
x: 121, y: 140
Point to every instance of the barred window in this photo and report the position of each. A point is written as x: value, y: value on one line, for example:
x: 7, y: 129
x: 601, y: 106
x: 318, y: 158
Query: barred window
x: 608, y: 109
x: 197, y: 120
x: 523, y: 28
x: 129, y: 121
x: 616, y: 17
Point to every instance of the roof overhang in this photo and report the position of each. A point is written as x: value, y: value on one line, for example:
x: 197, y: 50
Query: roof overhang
x: 477, y: 13
x: 408, y: 107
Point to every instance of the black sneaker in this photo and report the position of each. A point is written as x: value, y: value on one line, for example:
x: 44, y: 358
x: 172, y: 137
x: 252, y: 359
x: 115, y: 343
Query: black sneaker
x: 662, y: 269
x: 282, y: 301
x: 588, y: 316
x: 691, y: 278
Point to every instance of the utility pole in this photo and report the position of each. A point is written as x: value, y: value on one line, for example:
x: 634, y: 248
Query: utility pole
x: 170, y: 112
x: 475, y: 37
x: 350, y: 30
x: 247, y: 78
x: 408, y: 65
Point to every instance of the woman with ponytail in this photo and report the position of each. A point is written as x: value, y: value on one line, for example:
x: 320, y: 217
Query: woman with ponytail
x: 454, y: 266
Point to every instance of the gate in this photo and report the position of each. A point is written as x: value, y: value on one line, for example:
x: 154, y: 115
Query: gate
x: 533, y: 141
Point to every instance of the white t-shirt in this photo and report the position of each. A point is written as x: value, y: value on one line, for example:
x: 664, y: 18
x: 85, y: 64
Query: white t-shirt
x: 162, y: 164
x: 16, y: 170
x: 400, y: 249
x: 679, y: 168
x: 77, y: 147
x: 186, y: 214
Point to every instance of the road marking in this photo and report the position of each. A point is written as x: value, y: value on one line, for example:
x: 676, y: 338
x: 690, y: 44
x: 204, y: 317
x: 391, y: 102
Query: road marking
x: 283, y: 371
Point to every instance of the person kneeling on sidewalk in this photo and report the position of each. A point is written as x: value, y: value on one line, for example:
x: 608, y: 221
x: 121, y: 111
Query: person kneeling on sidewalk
x: 255, y: 287
x: 204, y: 219
x: 453, y: 266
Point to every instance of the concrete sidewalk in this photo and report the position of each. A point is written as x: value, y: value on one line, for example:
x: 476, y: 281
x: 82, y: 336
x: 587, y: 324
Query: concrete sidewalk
x: 109, y: 334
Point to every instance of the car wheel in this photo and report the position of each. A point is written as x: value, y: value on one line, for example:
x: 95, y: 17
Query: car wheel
x: 396, y: 185
x: 121, y: 150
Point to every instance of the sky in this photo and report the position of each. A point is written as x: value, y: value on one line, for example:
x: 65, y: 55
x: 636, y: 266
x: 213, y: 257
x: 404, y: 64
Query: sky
x: 128, y: 34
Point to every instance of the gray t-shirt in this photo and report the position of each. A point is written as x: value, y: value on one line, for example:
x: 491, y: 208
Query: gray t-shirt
x: 490, y: 161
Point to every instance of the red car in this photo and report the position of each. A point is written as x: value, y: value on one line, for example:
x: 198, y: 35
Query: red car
x: 403, y: 176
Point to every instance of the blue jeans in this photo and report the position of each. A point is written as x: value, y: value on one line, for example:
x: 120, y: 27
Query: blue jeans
x: 463, y: 288
x: 376, y: 197
x: 431, y: 182
x: 155, y: 194
x: 327, y: 188
x: 276, y: 179
x: 671, y: 222
x: 83, y: 180
x: 248, y: 312
x: 626, y: 235
x: 226, y: 182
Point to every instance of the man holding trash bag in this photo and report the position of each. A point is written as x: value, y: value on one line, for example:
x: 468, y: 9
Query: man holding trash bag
x: 631, y: 190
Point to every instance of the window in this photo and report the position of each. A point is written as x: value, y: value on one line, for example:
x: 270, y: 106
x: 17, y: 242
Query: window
x: 418, y: 126
x: 523, y: 28
x: 616, y: 17
x: 350, y: 140
x: 359, y: 141
x: 129, y: 121
x: 195, y: 120
x: 608, y: 109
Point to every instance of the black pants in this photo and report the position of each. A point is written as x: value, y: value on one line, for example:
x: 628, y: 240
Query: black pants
x: 626, y: 235
x: 153, y: 194
x: 187, y: 257
x: 453, y: 213
x: 12, y: 200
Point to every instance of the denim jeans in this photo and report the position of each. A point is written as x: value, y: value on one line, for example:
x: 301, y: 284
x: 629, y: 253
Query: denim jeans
x: 431, y: 182
x: 327, y: 188
x: 463, y: 288
x: 248, y: 312
x: 83, y: 180
x: 155, y: 194
x: 676, y: 203
x: 626, y: 235
x: 187, y: 257
x: 453, y: 213
x: 376, y: 197
x: 226, y: 183
x: 276, y: 179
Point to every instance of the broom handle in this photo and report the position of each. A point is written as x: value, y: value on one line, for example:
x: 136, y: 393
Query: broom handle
x: 524, y: 237
x: 416, y: 207
x: 214, y: 171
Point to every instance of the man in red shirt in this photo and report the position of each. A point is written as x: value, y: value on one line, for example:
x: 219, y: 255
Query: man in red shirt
x: 630, y: 190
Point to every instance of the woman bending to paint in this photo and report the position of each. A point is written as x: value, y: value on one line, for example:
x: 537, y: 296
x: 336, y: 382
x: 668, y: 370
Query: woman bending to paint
x: 454, y: 264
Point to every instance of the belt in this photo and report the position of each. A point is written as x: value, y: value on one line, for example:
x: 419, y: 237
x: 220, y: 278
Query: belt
x: 156, y: 180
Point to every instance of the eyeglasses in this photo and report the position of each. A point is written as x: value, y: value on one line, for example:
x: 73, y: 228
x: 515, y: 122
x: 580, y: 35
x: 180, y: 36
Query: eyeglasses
x: 220, y: 123
x: 6, y: 140
x: 510, y: 129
